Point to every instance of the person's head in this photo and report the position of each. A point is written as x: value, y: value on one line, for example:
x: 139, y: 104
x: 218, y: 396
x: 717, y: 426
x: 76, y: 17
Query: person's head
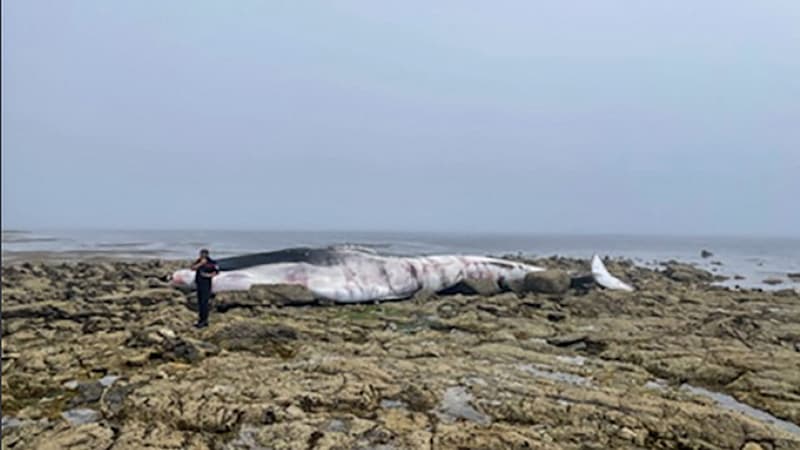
x: 204, y: 253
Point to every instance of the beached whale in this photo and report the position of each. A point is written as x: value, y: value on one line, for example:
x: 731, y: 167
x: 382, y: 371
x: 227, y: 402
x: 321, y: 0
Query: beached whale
x: 349, y: 274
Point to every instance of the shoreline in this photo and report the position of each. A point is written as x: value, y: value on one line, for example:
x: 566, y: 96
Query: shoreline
x: 724, y: 276
x: 105, y: 351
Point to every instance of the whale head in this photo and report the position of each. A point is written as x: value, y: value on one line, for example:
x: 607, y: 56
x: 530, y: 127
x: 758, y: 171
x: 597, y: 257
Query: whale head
x: 183, y: 279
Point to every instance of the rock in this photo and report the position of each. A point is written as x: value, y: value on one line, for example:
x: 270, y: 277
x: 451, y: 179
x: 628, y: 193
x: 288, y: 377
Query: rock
x: 90, y: 435
x: 556, y: 316
x: 281, y: 294
x: 456, y: 404
x: 11, y: 422
x: 785, y: 293
x: 686, y: 273
x: 108, y: 380
x: 48, y: 310
x: 547, y: 282
x: 752, y: 446
x: 88, y: 392
x: 423, y: 296
x: 257, y: 337
x: 627, y: 434
x: 706, y: 254
x: 582, y: 282
x: 167, y: 345
x: 566, y: 339
x: 113, y: 399
x: 81, y: 416
x: 447, y: 372
x: 418, y: 397
x: 150, y: 336
x: 264, y: 295
x: 137, y: 360
x: 794, y: 276
x: 188, y: 349
x: 482, y: 287
x: 772, y: 281
x: 34, y: 361
x: 738, y: 277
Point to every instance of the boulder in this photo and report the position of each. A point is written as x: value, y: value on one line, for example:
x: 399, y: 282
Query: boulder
x: 686, y: 273
x: 706, y: 254
x: 547, y: 282
x: 188, y: 349
x: 166, y: 345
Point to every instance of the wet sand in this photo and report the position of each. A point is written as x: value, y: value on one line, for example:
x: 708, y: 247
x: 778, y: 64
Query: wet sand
x: 102, y: 354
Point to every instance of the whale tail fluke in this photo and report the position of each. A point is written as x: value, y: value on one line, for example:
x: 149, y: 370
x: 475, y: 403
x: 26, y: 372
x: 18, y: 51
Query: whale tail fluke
x: 605, y: 279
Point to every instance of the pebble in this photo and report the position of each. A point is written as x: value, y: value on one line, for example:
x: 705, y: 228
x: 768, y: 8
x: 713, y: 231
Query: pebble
x: 627, y: 434
x: 137, y: 360
x: 11, y: 422
x: 392, y: 404
x: 566, y: 339
x: 108, y: 380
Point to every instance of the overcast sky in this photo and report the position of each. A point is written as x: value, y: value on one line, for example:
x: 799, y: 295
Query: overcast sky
x: 674, y: 117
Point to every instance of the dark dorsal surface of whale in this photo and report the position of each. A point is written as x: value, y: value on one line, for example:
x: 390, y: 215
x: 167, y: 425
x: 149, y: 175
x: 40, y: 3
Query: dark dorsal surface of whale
x: 309, y: 255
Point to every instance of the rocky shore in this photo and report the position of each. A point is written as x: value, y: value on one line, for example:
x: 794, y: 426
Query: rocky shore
x: 104, y: 355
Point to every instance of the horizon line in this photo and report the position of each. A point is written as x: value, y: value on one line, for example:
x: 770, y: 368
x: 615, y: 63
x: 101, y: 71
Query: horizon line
x: 639, y: 234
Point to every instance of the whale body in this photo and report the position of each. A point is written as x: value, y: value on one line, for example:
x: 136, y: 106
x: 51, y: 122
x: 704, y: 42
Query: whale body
x: 350, y: 274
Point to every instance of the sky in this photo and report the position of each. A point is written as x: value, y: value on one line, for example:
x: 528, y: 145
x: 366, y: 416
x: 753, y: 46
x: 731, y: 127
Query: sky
x: 520, y: 116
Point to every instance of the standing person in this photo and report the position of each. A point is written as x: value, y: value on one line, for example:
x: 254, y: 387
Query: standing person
x: 206, y: 269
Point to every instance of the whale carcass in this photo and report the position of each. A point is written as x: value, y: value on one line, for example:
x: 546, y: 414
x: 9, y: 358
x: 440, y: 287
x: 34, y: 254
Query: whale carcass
x: 349, y: 274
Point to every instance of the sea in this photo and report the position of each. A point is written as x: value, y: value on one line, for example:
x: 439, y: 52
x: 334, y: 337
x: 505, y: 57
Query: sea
x: 756, y: 259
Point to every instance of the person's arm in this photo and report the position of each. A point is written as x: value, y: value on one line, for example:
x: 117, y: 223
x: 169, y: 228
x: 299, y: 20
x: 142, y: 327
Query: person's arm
x: 214, y: 273
x: 199, y: 262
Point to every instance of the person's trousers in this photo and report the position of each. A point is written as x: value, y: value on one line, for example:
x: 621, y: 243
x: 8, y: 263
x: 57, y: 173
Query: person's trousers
x: 203, y: 297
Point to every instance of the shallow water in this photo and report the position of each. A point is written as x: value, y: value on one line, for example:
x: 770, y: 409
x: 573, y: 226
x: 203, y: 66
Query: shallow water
x: 455, y: 404
x: 723, y: 400
x: 555, y: 375
x: 728, y: 402
x: 81, y: 416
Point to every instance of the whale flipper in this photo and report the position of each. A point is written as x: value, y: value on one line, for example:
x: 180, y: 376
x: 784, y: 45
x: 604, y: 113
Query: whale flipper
x: 605, y: 279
